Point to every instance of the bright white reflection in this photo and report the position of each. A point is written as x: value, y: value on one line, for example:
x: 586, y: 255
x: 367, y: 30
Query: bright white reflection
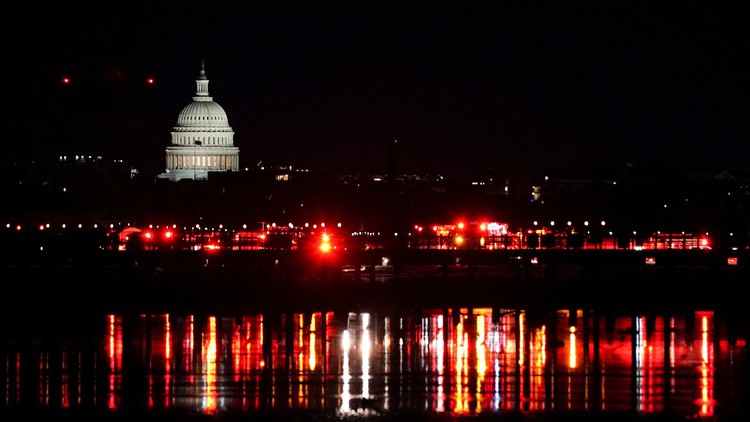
x: 346, y: 395
x: 210, y: 393
x: 572, y: 357
x: 365, y: 356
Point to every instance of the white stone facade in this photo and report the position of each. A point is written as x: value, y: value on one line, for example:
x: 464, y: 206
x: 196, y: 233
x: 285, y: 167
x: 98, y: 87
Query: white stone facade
x: 202, y: 140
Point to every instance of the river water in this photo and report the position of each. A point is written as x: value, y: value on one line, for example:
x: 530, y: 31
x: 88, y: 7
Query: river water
x: 448, y: 363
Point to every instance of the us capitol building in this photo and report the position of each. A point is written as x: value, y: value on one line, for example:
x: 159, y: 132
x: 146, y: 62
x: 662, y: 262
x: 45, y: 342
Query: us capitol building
x: 202, y: 140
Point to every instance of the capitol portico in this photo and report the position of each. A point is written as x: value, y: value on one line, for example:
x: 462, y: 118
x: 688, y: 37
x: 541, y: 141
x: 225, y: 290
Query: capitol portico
x: 202, y: 140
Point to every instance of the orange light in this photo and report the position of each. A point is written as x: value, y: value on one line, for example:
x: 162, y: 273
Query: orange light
x: 459, y: 240
x: 325, y: 247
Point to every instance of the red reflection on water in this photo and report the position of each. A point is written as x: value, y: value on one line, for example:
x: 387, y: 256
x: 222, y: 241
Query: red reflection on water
x: 457, y: 361
x: 706, y: 400
x: 209, y: 358
x: 114, y: 348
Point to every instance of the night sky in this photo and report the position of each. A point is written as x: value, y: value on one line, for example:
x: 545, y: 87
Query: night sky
x: 465, y: 87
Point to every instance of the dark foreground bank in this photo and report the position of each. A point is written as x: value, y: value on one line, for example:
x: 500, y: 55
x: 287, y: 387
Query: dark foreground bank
x: 312, y: 416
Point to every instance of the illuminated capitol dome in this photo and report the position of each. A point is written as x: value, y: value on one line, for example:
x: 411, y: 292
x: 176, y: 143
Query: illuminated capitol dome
x: 202, y: 140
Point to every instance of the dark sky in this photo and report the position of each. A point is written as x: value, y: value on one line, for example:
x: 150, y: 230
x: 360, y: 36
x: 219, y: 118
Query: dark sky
x: 465, y: 87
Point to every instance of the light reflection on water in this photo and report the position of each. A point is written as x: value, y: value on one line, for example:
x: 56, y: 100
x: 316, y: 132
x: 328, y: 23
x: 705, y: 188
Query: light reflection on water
x: 457, y: 361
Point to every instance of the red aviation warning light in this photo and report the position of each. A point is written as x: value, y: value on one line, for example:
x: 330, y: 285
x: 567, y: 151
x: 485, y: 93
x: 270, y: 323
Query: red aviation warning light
x: 150, y: 81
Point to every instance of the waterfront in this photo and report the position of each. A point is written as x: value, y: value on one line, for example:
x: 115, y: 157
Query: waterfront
x: 449, y: 363
x: 237, y: 338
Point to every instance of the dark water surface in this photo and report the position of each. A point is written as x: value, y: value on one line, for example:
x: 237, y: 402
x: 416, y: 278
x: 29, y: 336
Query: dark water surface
x: 263, y: 337
x: 441, y: 364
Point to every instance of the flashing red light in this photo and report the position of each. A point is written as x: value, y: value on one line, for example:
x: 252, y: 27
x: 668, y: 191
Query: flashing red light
x: 732, y: 260
x: 148, y: 235
x: 66, y: 81
x: 168, y: 235
x: 325, y: 244
x: 150, y: 81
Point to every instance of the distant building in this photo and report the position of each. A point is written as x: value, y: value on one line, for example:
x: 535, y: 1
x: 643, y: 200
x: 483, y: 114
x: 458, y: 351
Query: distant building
x: 202, y: 140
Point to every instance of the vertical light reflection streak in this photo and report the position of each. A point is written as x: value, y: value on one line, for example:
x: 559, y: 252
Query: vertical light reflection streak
x: 346, y: 376
x: 493, y: 349
x: 209, y: 357
x: 520, y: 356
x: 236, y: 347
x: 365, y: 355
x: 189, y: 346
x: 167, y: 360
x: 572, y: 357
x: 18, y: 376
x: 650, y: 372
x: 65, y: 399
x: 707, y: 368
x: 299, y: 349
x: 386, y: 362
x: 424, y: 357
x: 572, y: 362
x: 462, y: 363
x: 521, y: 338
x: 440, y: 351
x: 672, y: 356
x: 401, y: 354
x: 114, y: 353
x: 481, y: 358
x: 538, y: 360
x: 312, y: 358
x: 640, y: 343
